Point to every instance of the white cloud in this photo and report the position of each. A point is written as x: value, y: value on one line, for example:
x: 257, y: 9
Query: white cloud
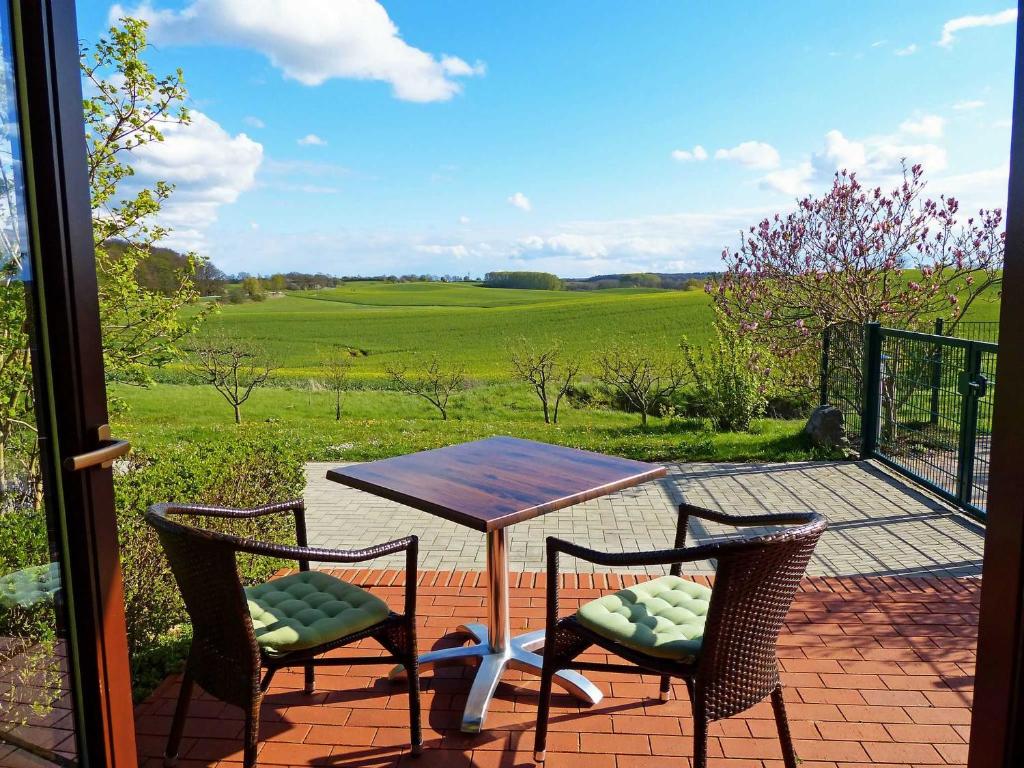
x: 928, y: 126
x: 968, y: 104
x: 464, y: 220
x: 253, y: 122
x: 520, y: 201
x: 951, y: 27
x: 312, y: 41
x: 909, y: 50
x: 753, y: 154
x: 795, y: 181
x: 677, y: 242
x: 877, y: 159
x: 698, y: 153
x: 879, y: 43
x: 312, y: 140
x: 209, y: 167
x: 976, y: 189
x: 459, y: 251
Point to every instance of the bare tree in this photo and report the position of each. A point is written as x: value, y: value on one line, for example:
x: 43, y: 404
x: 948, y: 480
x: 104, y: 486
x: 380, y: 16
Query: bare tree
x: 642, y: 379
x: 336, y: 366
x: 232, y: 366
x: 545, y: 371
x: 435, y: 383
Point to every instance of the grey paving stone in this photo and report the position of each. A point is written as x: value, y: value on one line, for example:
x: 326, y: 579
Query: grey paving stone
x: 879, y: 523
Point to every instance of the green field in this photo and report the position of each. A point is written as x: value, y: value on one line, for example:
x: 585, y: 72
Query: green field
x: 467, y: 324
x: 464, y: 323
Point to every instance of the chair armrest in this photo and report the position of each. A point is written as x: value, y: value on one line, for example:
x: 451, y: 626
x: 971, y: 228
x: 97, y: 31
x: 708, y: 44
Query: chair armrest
x: 322, y: 554
x: 202, y: 510
x: 629, y: 559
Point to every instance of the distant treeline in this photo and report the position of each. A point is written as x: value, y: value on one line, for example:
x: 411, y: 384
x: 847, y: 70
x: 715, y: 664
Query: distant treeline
x: 545, y: 281
x: 681, y: 281
x: 538, y: 281
x: 161, y: 271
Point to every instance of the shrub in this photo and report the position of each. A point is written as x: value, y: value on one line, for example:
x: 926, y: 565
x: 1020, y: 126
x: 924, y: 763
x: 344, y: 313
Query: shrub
x: 730, y: 379
x: 247, y: 470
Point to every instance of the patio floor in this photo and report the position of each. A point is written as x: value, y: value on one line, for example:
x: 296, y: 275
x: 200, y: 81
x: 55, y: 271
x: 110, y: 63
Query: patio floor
x: 878, y: 652
x: 879, y: 524
x: 879, y: 672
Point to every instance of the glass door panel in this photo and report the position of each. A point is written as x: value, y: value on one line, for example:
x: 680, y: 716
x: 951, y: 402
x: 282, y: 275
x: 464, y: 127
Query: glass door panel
x: 37, y: 719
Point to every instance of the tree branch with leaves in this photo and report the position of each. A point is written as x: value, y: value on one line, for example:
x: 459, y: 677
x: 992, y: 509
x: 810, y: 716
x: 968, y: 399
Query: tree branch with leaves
x: 126, y: 107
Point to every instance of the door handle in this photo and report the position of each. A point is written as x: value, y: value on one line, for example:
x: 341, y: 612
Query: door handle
x: 103, y: 456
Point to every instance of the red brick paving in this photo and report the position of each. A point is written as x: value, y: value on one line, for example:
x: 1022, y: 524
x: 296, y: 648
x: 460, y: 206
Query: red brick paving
x: 879, y: 672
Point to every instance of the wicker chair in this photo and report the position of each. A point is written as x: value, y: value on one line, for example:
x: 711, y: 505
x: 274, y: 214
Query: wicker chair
x: 287, y: 622
x: 721, y: 641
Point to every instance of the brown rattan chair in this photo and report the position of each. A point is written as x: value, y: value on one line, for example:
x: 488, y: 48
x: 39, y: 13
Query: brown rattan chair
x: 229, y: 653
x: 728, y: 660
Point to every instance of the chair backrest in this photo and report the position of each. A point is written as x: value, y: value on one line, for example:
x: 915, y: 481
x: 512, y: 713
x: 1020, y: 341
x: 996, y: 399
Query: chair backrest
x: 224, y: 658
x: 755, y: 583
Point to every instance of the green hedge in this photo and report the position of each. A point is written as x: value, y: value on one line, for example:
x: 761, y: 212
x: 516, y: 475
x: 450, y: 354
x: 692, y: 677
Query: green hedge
x: 243, y: 470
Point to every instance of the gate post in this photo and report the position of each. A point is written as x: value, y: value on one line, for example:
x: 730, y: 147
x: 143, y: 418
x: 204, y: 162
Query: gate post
x: 872, y: 390
x: 970, y: 389
x: 936, y: 382
x: 826, y: 343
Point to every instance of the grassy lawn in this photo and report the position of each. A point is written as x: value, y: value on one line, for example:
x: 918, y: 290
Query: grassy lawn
x: 377, y: 423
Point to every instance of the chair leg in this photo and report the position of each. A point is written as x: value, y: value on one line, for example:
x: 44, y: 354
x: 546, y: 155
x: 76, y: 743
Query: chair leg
x: 782, y: 722
x: 412, y: 667
x: 700, y: 728
x: 547, y: 675
x: 252, y: 735
x: 310, y: 679
x: 178, y: 723
x: 665, y: 690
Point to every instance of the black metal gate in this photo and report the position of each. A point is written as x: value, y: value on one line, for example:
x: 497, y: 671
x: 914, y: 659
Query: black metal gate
x: 921, y: 403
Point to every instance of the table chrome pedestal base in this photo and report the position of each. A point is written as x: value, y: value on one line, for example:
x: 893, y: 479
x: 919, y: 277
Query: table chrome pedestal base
x: 491, y: 665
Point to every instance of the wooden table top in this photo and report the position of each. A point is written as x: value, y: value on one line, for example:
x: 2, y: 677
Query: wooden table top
x: 489, y: 484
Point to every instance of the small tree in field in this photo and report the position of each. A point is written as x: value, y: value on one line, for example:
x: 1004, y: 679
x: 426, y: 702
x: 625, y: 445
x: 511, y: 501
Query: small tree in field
x: 858, y: 255
x: 642, y: 379
x: 336, y: 366
x: 436, y: 382
x: 232, y: 366
x: 544, y: 370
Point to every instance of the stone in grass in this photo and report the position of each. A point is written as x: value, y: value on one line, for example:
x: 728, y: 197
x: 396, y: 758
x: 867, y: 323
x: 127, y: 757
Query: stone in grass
x: 827, y: 428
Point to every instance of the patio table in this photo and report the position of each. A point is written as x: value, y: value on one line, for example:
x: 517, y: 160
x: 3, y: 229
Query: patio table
x: 489, y: 485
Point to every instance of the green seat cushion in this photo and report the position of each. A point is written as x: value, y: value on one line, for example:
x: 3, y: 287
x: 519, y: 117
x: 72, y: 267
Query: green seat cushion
x: 30, y: 586
x: 308, y: 609
x: 663, y: 617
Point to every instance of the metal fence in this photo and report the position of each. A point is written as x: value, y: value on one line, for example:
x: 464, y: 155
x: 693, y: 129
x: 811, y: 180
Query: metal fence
x: 921, y: 403
x: 975, y: 330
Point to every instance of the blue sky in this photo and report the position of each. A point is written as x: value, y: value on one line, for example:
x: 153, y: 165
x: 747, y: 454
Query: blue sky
x: 358, y: 137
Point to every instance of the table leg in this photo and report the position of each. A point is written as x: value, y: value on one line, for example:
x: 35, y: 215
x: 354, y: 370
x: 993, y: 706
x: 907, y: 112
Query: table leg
x: 495, y: 649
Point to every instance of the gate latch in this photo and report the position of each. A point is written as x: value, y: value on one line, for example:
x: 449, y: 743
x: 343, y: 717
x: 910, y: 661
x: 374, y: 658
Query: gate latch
x: 977, y: 385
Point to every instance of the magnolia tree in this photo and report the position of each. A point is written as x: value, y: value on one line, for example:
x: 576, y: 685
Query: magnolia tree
x: 858, y: 255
